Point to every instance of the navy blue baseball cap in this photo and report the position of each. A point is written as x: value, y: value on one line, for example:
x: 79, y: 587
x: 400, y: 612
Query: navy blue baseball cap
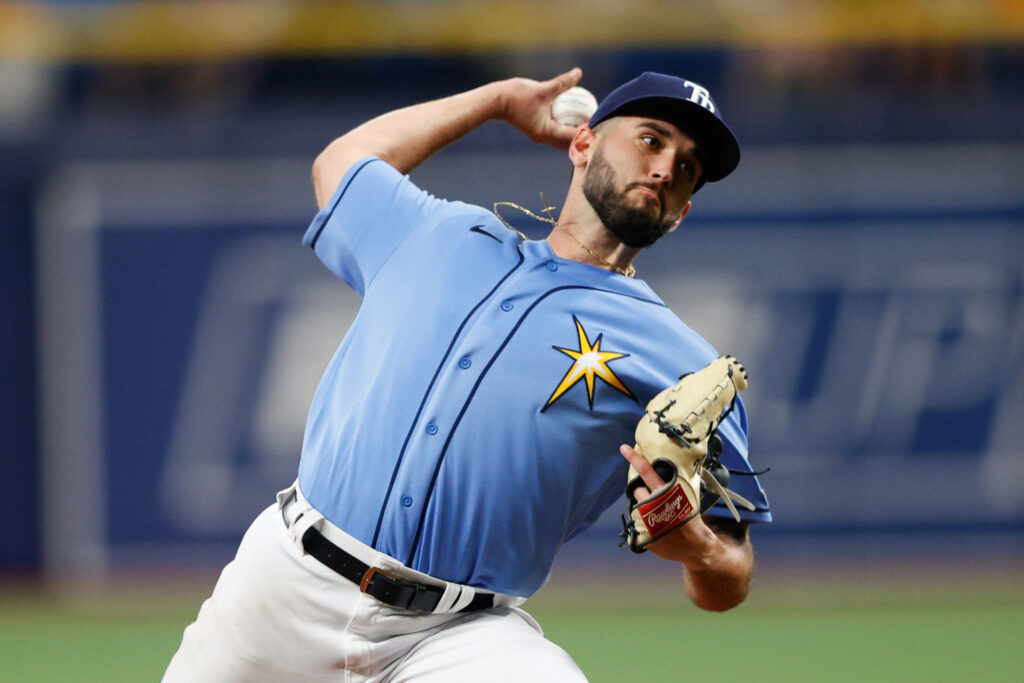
x: 677, y: 100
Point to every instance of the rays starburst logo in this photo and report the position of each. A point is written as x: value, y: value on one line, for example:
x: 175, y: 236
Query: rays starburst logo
x: 589, y: 363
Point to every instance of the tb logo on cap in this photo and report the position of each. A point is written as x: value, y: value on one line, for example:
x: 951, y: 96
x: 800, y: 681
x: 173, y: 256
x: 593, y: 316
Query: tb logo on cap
x: 700, y: 95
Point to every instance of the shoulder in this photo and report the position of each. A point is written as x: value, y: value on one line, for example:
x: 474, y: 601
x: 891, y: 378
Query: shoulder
x: 676, y: 334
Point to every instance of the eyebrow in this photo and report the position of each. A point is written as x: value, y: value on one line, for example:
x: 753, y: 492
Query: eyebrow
x: 656, y: 127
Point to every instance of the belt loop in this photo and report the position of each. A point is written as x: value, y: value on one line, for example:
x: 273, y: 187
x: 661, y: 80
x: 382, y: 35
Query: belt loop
x: 284, y: 500
x: 455, y: 597
x: 296, y: 512
x: 381, y: 577
x: 301, y: 525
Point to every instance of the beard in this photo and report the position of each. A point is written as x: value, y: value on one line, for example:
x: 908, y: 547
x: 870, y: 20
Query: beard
x: 634, y: 226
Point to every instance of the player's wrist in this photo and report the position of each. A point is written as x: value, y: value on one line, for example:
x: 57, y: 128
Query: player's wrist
x: 498, y: 97
x: 692, y: 544
x: 705, y: 548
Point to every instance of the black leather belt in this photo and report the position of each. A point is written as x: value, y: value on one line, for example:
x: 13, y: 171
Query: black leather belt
x: 375, y: 582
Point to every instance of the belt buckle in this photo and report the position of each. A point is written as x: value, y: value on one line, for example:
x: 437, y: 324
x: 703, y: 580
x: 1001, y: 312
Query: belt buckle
x: 364, y: 585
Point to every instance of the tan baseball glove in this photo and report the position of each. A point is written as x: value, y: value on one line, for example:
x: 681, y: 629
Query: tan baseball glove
x: 677, y: 435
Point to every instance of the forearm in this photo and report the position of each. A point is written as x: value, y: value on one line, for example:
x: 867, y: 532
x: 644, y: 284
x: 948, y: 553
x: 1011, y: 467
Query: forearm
x: 718, y: 577
x: 406, y: 137
x: 718, y: 561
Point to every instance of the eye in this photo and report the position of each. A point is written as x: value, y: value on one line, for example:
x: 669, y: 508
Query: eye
x: 688, y: 167
x: 650, y: 140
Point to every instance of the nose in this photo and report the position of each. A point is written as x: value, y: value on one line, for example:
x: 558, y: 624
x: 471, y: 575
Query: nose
x: 661, y: 169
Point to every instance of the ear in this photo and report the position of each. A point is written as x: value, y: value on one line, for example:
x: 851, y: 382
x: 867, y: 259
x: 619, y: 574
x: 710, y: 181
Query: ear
x: 686, y: 210
x: 582, y: 146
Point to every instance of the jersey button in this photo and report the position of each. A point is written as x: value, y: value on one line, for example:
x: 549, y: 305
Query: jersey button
x: 464, y: 363
x: 431, y: 428
x: 506, y: 305
x: 551, y: 265
x: 406, y: 501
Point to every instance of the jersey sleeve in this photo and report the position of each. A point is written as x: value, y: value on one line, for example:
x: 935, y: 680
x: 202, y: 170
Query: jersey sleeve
x: 369, y: 215
x: 733, y: 431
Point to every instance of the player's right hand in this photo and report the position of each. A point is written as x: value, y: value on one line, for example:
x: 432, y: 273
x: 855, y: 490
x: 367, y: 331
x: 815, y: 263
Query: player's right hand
x: 646, y: 471
x: 526, y: 104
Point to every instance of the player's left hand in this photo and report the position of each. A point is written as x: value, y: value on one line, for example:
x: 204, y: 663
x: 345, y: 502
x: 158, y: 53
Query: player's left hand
x: 526, y: 104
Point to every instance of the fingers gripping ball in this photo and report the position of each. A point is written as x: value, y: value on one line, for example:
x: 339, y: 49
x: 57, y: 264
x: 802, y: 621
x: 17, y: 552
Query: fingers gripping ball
x: 677, y: 436
x: 574, y: 107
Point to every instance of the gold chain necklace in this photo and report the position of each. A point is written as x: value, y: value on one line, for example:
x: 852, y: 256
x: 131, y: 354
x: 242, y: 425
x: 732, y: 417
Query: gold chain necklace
x: 628, y: 272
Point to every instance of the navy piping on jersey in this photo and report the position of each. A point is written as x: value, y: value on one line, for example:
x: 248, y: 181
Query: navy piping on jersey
x: 472, y: 393
x: 312, y: 243
x: 426, y: 395
x: 480, y: 229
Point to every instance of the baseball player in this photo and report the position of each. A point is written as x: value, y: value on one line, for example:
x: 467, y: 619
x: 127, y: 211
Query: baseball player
x: 477, y: 414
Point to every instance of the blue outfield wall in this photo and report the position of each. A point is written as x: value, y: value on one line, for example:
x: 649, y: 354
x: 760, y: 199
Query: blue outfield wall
x: 869, y: 272
x: 19, y: 485
x: 883, y: 343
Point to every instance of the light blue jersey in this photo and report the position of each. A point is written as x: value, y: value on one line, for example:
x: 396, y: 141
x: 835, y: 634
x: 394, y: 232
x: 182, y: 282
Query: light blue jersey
x: 469, y: 423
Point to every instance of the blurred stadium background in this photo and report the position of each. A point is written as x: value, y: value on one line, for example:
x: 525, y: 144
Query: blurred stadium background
x: 163, y: 329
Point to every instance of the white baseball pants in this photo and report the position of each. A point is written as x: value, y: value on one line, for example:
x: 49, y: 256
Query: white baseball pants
x: 278, y: 614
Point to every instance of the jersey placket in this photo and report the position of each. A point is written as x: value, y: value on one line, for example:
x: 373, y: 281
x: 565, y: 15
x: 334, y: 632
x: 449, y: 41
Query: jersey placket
x: 477, y: 346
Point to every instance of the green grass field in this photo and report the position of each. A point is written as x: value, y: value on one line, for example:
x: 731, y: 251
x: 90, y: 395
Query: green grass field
x: 854, y: 628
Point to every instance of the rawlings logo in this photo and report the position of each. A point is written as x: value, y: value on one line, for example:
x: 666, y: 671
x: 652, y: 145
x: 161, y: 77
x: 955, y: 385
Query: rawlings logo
x: 668, y: 511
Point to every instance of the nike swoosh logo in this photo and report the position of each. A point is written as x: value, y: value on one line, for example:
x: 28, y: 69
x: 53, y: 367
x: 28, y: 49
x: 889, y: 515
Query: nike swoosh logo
x: 480, y: 229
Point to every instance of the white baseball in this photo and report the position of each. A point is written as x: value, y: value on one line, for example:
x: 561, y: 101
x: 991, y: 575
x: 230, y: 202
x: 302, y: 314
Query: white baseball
x: 574, y: 107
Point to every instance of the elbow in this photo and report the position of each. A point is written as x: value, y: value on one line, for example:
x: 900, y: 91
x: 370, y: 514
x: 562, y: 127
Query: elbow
x: 329, y: 168
x: 331, y: 165
x: 318, y: 166
x: 317, y: 175
x: 718, y: 602
x: 325, y: 164
x: 718, y: 594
